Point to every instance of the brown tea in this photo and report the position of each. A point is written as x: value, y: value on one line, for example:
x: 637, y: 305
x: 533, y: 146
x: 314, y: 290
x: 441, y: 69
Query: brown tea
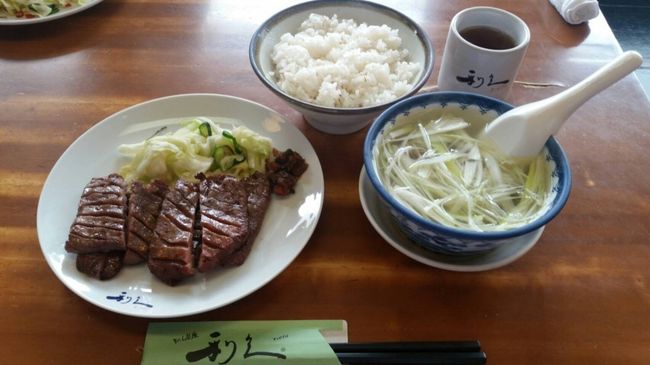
x: 488, y: 37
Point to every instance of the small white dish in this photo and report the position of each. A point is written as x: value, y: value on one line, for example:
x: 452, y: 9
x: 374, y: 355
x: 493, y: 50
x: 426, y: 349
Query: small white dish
x: 61, y: 14
x: 288, y: 224
x: 384, y: 224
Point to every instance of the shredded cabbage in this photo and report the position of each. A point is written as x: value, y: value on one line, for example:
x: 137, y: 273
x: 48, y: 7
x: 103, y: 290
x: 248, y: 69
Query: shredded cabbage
x: 199, y: 146
x: 34, y: 8
x: 439, y: 171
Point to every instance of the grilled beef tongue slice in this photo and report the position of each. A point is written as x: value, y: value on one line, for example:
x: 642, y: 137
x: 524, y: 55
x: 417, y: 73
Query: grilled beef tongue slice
x: 103, y: 265
x: 101, y: 217
x: 145, y: 203
x: 171, y: 257
x: 224, y: 219
x: 258, y: 188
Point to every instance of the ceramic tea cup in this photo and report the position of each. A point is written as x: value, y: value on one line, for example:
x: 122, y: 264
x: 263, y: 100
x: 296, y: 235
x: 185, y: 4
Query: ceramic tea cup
x: 485, y: 48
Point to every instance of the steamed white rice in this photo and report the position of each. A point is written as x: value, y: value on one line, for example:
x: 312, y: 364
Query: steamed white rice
x: 337, y: 63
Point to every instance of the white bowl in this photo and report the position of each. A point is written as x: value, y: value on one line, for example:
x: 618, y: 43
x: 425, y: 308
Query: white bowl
x: 329, y: 119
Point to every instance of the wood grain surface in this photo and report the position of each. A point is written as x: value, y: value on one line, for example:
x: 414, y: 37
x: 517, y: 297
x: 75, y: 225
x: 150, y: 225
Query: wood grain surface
x: 580, y: 296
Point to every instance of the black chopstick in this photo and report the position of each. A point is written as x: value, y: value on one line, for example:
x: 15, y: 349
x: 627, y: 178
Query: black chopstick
x: 412, y: 358
x: 411, y: 353
x: 413, y: 346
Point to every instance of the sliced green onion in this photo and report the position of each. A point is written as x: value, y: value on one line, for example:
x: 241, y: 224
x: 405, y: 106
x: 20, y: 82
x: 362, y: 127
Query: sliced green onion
x: 42, y: 9
x: 441, y: 172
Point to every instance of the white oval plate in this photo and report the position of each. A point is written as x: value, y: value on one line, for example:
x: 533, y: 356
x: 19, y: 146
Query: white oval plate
x: 387, y: 228
x: 61, y: 14
x: 287, y: 227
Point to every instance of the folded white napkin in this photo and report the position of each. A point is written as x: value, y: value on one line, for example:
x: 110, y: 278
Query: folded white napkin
x: 577, y: 11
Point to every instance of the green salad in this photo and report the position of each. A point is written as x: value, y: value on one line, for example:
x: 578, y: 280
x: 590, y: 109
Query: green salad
x: 199, y: 146
x: 34, y: 8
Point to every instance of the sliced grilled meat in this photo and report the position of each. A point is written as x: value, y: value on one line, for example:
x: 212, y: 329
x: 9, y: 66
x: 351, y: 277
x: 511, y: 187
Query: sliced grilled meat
x: 197, y: 236
x: 102, y: 266
x: 145, y: 203
x: 224, y: 219
x: 258, y: 188
x: 171, y: 257
x: 101, y: 217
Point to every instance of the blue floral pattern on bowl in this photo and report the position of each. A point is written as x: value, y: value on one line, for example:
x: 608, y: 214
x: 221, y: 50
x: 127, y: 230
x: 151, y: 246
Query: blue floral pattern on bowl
x: 444, y: 239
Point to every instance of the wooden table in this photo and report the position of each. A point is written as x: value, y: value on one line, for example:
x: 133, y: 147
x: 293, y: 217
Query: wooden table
x: 580, y: 296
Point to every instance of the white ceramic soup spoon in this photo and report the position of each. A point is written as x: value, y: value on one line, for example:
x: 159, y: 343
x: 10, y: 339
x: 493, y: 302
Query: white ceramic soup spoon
x: 523, y: 131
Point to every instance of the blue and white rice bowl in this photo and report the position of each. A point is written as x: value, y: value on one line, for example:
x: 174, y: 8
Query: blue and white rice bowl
x: 477, y: 110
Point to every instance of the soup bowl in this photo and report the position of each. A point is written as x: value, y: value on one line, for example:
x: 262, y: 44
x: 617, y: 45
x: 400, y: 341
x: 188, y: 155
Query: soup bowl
x: 338, y: 120
x: 477, y: 110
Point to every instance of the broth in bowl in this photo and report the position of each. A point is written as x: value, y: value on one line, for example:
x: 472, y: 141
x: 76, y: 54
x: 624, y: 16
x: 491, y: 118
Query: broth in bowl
x: 447, y: 191
x: 432, y: 163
